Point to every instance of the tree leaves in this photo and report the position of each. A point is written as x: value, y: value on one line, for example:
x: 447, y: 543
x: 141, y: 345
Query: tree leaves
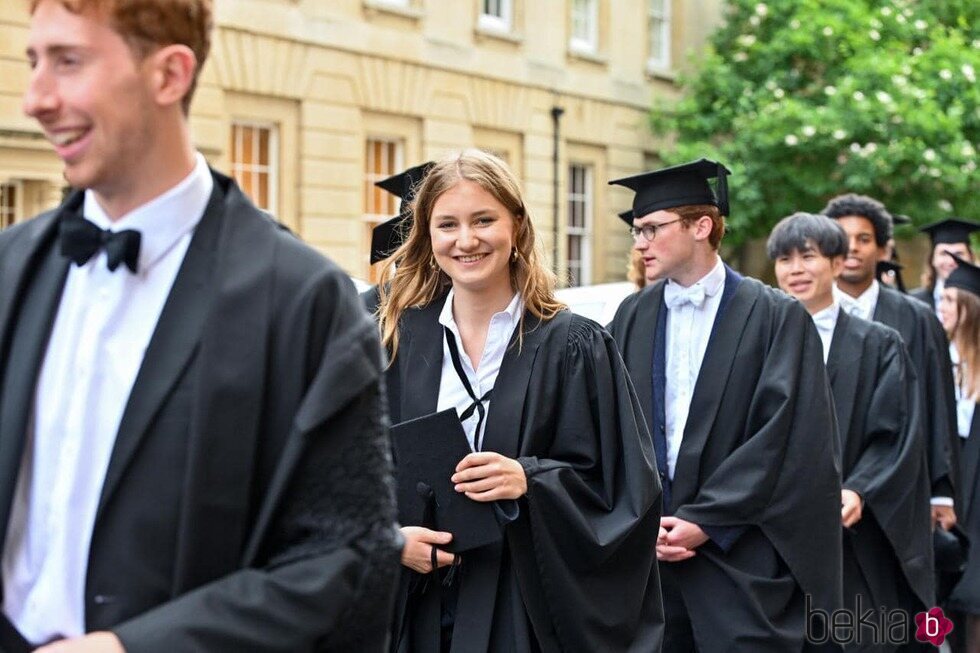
x: 806, y: 99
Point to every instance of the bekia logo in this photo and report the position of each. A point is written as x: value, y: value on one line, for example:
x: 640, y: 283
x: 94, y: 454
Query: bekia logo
x: 862, y: 625
x: 932, y: 626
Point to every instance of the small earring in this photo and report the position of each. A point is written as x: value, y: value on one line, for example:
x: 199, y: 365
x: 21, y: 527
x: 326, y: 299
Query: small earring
x: 513, y: 255
x: 433, y: 264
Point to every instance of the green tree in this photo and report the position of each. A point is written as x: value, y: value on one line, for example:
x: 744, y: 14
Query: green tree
x: 805, y: 99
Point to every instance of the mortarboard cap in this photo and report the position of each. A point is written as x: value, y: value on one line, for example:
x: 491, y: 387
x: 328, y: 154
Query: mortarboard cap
x: 626, y: 216
x: 889, y: 266
x: 966, y: 276
x: 404, y: 184
x: 678, y: 186
x: 389, y: 235
x: 892, y: 268
x: 899, y: 218
x: 950, y: 230
x: 427, y: 450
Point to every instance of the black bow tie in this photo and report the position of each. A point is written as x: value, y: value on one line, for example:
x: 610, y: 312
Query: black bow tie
x: 81, y: 240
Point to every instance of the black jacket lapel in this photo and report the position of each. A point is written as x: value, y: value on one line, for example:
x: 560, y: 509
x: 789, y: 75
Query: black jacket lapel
x: 174, y: 341
x: 421, y: 367
x: 502, y: 432
x: 35, y: 267
x: 843, y: 370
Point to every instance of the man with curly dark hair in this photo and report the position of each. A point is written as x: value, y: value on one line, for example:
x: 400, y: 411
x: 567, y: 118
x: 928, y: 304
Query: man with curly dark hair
x: 869, y: 226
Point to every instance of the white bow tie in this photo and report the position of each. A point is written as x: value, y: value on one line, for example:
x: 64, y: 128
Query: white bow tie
x: 826, y: 321
x: 675, y: 295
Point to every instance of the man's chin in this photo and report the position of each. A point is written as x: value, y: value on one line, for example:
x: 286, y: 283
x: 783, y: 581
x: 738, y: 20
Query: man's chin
x: 856, y: 278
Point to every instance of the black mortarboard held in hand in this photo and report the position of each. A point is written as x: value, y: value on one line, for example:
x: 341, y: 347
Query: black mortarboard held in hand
x: 427, y: 450
x: 950, y: 231
x: 966, y: 276
x: 676, y: 186
x: 389, y: 235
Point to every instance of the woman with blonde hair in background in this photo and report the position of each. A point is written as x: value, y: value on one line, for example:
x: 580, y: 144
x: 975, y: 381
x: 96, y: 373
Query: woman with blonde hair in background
x: 959, y: 310
x: 556, y: 435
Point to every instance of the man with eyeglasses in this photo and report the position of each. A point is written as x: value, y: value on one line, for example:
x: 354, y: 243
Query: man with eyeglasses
x: 731, y: 377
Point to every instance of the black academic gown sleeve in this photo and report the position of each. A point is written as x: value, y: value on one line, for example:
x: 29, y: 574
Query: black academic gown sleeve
x: 884, y: 456
x: 927, y: 346
x: 924, y: 295
x: 592, y: 513
x: 320, y: 559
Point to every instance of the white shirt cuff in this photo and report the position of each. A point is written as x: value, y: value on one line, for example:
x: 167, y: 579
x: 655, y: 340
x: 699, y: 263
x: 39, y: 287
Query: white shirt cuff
x: 941, y: 501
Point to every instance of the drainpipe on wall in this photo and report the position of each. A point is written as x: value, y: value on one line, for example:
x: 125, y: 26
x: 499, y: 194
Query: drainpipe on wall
x: 556, y: 113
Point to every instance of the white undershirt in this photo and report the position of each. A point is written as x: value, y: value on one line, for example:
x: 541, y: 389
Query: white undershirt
x: 688, y: 331
x: 452, y: 392
x: 826, y: 322
x: 103, y: 326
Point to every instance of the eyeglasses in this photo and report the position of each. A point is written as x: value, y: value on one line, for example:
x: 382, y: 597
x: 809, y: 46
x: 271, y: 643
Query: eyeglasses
x: 649, y: 231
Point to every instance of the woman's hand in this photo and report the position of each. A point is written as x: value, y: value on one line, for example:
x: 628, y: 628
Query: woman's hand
x: 488, y: 476
x: 417, y: 551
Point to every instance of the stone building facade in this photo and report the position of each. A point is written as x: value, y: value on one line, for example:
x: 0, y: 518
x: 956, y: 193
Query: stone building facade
x: 307, y: 102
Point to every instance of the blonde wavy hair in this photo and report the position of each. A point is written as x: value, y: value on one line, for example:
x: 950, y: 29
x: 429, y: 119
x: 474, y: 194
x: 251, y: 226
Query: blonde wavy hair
x: 410, y: 278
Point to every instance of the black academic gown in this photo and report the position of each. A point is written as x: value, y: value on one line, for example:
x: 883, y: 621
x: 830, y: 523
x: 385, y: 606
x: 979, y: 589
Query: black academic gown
x: 923, y: 295
x: 758, y: 466
x: 888, y: 553
x: 928, y: 347
x: 247, y: 505
x: 966, y: 595
x: 576, y: 571
x: 371, y: 298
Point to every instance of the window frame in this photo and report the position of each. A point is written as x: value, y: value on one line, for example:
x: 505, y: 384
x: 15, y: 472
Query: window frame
x: 585, y: 195
x: 662, y: 60
x: 589, y: 44
x: 497, y: 23
x: 272, y: 169
x: 10, y: 212
x: 369, y: 218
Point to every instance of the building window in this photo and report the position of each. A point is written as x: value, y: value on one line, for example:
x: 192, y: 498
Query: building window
x: 8, y: 204
x: 497, y: 15
x: 585, y: 26
x: 255, y: 162
x: 658, y: 18
x: 382, y: 159
x: 579, y: 226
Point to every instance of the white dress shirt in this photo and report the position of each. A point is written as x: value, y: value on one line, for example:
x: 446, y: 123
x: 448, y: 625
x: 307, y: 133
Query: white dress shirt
x: 103, y: 326
x: 826, y: 322
x: 688, y: 330
x: 452, y: 392
x: 863, y: 305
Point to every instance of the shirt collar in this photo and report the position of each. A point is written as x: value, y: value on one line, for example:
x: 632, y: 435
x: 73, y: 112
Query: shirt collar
x: 827, y: 318
x: 865, y: 302
x: 937, y: 291
x: 512, y: 313
x: 163, y: 220
x: 712, y: 282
